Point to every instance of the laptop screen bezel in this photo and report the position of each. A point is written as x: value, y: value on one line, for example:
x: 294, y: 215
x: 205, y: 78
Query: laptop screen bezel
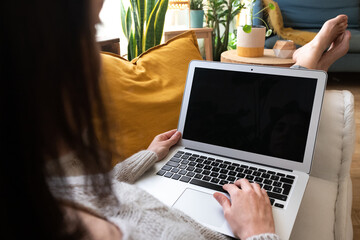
x: 304, y: 166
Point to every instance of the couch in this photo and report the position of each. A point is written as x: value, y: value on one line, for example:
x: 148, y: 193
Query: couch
x: 143, y: 98
x: 309, y: 15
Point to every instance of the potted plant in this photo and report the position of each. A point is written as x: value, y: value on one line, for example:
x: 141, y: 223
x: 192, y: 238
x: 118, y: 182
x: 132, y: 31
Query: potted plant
x: 143, y: 24
x: 196, y: 13
x: 219, y: 16
x: 251, y: 38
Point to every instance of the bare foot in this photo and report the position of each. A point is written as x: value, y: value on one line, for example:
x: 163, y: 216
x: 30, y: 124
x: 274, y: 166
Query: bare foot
x: 309, y: 55
x: 337, y: 49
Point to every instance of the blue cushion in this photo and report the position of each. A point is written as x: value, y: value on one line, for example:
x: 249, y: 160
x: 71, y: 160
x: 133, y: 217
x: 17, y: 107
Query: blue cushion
x: 313, y: 14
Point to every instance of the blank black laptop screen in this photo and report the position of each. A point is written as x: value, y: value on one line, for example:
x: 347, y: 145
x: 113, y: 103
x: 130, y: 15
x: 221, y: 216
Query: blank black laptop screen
x: 258, y: 113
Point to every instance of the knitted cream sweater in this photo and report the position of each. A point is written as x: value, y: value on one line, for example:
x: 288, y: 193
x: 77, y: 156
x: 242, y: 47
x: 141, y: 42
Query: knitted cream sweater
x: 137, y: 214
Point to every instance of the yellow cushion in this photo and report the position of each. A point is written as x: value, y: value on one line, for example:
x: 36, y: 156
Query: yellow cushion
x: 143, y: 97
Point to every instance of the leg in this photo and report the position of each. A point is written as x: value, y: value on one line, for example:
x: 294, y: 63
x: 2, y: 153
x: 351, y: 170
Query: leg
x: 337, y: 50
x: 310, y: 54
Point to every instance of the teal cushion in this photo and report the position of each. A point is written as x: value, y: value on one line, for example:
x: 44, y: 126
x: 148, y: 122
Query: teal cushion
x: 313, y: 14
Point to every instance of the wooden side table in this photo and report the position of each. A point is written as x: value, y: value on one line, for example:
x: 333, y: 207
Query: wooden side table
x: 109, y: 44
x: 205, y: 33
x: 269, y: 59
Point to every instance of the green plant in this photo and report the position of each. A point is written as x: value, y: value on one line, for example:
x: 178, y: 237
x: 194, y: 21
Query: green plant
x: 221, y: 13
x: 196, y: 5
x: 143, y: 24
x: 247, y: 28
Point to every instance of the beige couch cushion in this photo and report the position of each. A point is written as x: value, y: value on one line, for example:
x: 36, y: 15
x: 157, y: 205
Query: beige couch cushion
x: 325, y: 212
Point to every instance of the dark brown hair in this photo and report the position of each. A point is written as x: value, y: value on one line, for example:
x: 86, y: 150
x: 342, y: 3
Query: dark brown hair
x: 49, y: 95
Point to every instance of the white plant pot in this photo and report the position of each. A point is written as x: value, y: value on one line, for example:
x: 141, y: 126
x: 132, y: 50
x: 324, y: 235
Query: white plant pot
x: 251, y: 44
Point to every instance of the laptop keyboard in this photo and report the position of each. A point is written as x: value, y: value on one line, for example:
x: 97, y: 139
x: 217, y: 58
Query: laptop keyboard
x: 213, y: 173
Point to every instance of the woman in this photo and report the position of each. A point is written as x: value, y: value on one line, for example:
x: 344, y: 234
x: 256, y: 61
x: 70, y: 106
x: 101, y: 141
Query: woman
x: 50, y: 67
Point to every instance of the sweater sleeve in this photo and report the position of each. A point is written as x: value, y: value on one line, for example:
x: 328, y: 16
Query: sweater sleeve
x: 264, y: 236
x: 133, y: 167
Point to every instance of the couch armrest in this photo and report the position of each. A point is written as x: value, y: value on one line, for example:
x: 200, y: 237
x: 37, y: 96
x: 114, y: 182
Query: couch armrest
x: 336, y: 137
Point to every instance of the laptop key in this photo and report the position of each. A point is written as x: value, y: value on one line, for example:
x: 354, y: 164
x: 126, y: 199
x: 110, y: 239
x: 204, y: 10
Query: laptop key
x: 267, y: 187
x: 206, y: 172
x: 215, y: 164
x: 176, y: 176
x: 190, y: 174
x: 190, y: 168
x: 172, y: 164
x: 207, y: 185
x: 183, y: 172
x: 240, y: 175
x: 277, y: 190
x: 286, y: 188
x: 207, y: 162
x: 277, y: 196
x: 215, y: 169
x: 231, y: 178
x: 257, y: 174
x: 247, y: 171
x: 192, y: 163
x: 273, y: 177
x: 175, y: 170
x: 265, y: 175
x: 253, y: 168
x: 215, y: 180
x: 185, y: 179
x: 168, y: 174
x: 279, y: 205
x: 223, y: 182
x: 206, y: 178
x: 161, y: 172
x: 182, y: 166
x: 232, y: 173
x: 199, y: 176
x: 222, y: 176
x: 166, y: 168
x: 214, y: 174
x: 290, y: 176
x: 258, y: 179
x: 200, y: 165
x: 224, y: 171
x: 184, y: 161
x: 267, y: 181
x: 199, y: 160
x: 198, y: 170
x: 286, y: 180
x: 207, y: 167
x: 272, y: 201
x: 249, y: 177
x: 195, y: 155
x: 277, y: 184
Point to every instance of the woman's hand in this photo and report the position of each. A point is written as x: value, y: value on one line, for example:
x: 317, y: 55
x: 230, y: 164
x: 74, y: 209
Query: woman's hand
x: 162, y: 143
x: 249, y: 213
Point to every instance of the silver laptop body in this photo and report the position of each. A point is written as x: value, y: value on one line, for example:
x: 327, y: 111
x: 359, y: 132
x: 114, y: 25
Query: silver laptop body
x: 256, y: 122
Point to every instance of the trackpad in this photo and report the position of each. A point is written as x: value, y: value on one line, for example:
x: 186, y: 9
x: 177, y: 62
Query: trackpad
x: 201, y: 206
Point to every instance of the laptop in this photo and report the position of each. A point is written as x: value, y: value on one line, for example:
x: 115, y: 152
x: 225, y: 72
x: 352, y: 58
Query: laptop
x: 241, y: 121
